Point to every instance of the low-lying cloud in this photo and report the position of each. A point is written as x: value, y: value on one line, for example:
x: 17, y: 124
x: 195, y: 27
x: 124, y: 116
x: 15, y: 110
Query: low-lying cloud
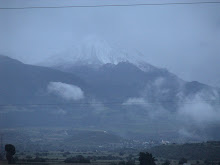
x: 98, y: 106
x: 59, y: 111
x: 191, y: 115
x: 135, y: 101
x: 66, y: 91
x: 199, y: 109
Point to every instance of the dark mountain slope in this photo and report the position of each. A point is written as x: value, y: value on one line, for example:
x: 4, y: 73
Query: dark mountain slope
x: 21, y: 83
x: 123, y: 81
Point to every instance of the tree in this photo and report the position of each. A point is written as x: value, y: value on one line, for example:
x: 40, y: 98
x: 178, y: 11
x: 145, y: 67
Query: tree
x: 146, y: 158
x: 10, y: 151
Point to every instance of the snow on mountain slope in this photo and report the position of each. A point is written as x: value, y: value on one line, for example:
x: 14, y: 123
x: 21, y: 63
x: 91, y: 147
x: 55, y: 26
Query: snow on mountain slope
x: 96, y: 52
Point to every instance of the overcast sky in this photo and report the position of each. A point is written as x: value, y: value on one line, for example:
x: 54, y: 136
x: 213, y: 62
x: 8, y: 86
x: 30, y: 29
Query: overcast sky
x: 185, y: 39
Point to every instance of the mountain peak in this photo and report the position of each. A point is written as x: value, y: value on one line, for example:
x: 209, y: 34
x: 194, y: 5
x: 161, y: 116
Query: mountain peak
x: 96, y: 51
x: 6, y: 59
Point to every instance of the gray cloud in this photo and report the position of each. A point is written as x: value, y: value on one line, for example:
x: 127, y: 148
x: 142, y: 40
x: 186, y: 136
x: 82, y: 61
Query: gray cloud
x: 189, y: 134
x: 66, y: 91
x: 154, y: 111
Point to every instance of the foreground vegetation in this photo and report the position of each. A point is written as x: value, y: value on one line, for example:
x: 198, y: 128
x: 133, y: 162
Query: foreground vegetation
x: 111, y: 152
x: 122, y: 157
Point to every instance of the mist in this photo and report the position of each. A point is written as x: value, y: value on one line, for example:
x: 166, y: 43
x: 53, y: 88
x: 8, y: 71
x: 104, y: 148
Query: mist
x: 66, y: 91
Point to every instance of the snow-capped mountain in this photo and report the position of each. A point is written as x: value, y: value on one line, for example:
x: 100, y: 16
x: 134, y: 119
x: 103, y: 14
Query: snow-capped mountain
x: 94, y: 51
x: 109, y: 83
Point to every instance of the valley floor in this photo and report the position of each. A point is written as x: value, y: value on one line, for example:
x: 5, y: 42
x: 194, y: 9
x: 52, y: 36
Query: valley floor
x: 55, y: 158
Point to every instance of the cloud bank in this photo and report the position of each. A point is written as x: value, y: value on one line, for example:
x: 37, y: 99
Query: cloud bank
x: 66, y: 91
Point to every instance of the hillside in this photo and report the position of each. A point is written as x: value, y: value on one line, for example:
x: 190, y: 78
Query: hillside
x: 22, y: 83
x: 54, y: 139
x: 191, y: 151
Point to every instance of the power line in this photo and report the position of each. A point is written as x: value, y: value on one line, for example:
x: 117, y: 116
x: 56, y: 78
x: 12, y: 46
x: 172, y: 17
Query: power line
x: 110, y: 5
x: 110, y: 103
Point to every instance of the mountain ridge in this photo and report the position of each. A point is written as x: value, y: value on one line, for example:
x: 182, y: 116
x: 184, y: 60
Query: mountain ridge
x: 132, y: 97
x: 95, y: 51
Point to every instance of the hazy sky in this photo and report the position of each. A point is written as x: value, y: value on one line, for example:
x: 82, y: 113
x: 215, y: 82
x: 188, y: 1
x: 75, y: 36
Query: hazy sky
x: 185, y: 39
